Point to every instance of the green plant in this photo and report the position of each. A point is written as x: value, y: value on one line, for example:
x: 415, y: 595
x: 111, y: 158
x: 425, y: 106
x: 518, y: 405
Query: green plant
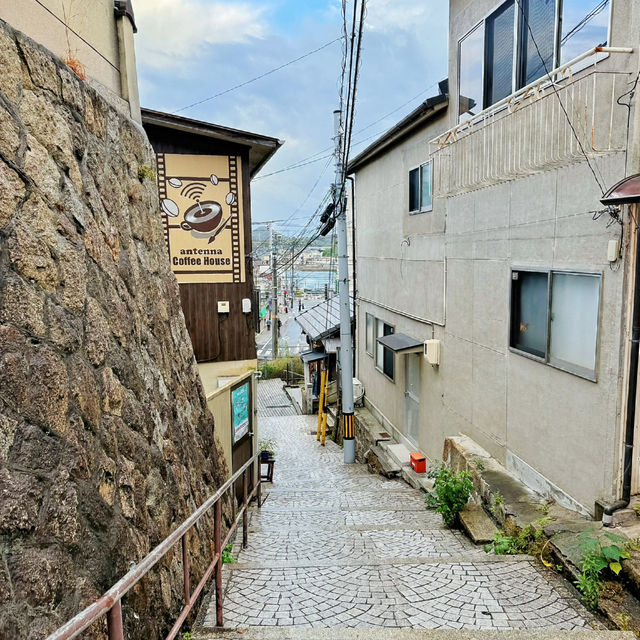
x: 277, y: 368
x: 497, y: 501
x: 227, y: 557
x: 267, y: 444
x: 479, y: 465
x: 187, y: 635
x: 636, y: 508
x: 146, y: 172
x: 450, y: 493
x: 596, y: 559
x: 528, y: 540
x: 544, y: 508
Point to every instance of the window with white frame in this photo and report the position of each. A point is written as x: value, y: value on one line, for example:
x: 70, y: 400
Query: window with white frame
x: 369, y: 333
x: 420, y: 188
x: 384, y: 355
x: 520, y: 41
x: 554, y: 317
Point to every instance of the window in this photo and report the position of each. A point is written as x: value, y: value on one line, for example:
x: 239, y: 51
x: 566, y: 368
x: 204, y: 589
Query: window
x: 420, y: 182
x: 554, y: 317
x: 520, y: 41
x: 369, y: 334
x: 471, y: 53
x: 585, y: 24
x: 499, y: 40
x: 384, y: 355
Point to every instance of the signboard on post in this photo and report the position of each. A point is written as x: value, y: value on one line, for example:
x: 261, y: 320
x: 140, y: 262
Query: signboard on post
x: 201, y: 203
x: 240, y: 411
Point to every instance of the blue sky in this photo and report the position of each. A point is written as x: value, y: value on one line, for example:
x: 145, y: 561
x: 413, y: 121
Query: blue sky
x: 189, y: 50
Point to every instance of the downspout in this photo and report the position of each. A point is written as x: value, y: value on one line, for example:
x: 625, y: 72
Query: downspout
x: 632, y: 167
x: 353, y: 260
x: 610, y: 509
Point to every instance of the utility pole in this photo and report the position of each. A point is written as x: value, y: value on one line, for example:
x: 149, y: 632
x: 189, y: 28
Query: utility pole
x: 291, y: 289
x: 274, y: 296
x: 346, y: 347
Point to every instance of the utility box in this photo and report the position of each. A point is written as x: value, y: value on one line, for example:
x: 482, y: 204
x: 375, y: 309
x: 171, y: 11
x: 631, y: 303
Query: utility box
x: 418, y: 462
x: 223, y: 306
x: 432, y: 351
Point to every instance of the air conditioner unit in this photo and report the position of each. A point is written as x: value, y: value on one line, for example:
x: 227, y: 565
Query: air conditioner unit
x: 432, y: 351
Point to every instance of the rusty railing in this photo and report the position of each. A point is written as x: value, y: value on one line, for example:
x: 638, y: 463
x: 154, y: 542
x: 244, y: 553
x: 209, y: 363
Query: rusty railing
x: 110, y: 603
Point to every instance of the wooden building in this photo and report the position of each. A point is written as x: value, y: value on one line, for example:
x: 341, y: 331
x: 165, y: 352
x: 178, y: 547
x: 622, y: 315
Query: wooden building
x: 204, y: 174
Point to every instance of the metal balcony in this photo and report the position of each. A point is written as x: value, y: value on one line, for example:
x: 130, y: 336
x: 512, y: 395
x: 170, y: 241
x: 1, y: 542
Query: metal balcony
x: 529, y: 131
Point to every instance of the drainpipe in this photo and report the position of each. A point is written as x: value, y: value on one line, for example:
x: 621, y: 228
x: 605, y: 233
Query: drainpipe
x: 353, y: 261
x: 633, y: 150
x: 610, y: 509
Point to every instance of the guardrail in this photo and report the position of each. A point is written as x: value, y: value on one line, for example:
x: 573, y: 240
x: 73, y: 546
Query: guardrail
x: 110, y: 603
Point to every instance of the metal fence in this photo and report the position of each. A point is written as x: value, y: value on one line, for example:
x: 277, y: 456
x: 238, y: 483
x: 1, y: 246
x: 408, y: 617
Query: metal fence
x: 109, y: 604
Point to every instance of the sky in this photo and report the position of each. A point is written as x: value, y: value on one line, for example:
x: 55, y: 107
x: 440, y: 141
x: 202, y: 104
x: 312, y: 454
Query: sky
x: 190, y: 50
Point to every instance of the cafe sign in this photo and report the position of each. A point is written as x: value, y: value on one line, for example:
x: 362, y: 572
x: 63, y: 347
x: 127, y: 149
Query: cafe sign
x: 201, y: 205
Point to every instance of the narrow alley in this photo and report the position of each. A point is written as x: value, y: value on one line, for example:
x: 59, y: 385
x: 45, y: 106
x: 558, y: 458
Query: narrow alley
x: 336, y: 546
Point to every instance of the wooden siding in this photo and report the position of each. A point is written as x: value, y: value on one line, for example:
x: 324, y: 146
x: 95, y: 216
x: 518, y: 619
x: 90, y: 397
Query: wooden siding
x: 228, y: 336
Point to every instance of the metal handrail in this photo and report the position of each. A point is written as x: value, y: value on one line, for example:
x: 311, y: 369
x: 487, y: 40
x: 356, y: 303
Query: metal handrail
x: 109, y: 604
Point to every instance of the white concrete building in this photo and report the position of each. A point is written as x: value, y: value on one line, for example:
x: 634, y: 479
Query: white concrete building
x: 479, y: 224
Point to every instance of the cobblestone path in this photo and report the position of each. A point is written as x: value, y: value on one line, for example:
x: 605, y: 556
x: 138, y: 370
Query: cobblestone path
x: 335, y: 546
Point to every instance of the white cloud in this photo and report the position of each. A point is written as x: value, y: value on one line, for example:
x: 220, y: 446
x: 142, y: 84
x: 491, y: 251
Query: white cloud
x: 178, y: 31
x: 395, y: 15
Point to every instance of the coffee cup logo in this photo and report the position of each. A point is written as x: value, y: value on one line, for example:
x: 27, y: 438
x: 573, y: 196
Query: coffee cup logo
x: 202, y: 217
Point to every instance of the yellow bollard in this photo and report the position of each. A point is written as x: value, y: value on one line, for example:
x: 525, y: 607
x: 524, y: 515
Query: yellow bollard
x: 321, y: 403
x: 324, y: 412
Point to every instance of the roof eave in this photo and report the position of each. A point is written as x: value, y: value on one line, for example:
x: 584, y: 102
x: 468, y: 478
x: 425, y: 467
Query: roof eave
x: 399, y: 131
x: 261, y: 147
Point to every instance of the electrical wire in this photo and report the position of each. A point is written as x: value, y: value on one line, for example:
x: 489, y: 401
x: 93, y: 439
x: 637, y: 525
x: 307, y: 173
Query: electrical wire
x: 263, y: 75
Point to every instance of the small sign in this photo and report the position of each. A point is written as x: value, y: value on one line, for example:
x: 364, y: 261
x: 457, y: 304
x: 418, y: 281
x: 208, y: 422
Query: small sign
x: 240, y: 412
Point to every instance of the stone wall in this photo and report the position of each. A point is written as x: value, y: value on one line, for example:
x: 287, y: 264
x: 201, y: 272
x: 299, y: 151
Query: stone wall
x: 106, y: 443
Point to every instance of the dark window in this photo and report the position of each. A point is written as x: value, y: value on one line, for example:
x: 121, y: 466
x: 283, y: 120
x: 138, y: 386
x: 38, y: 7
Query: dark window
x: 529, y: 303
x: 414, y: 190
x: 554, y: 316
x: 539, y: 19
x: 384, y: 355
x: 387, y: 367
x: 499, y: 54
x: 420, y: 183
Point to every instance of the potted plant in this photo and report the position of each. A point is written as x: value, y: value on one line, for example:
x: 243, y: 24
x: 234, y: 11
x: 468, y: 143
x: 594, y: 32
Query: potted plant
x: 267, y: 448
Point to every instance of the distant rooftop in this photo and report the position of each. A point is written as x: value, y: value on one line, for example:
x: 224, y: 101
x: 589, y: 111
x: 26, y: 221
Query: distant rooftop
x: 323, y: 320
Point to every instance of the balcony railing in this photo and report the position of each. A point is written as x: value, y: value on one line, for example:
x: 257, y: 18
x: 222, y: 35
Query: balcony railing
x: 529, y: 132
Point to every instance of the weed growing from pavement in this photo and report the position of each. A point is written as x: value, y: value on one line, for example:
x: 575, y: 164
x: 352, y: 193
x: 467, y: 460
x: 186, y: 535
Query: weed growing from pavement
x: 597, y: 560
x: 450, y: 493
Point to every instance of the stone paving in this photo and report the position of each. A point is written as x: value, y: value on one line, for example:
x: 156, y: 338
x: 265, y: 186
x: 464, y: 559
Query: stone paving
x: 335, y: 546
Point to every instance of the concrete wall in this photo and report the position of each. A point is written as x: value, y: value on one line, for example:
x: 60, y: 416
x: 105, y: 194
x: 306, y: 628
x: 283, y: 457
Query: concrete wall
x: 102, y: 43
x: 565, y: 429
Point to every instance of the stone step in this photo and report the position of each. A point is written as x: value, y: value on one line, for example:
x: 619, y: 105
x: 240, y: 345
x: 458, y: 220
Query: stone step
x: 332, y: 633
x: 478, y: 525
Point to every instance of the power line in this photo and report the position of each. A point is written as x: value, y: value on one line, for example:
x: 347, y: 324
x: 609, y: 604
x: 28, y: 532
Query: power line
x: 263, y: 75
x: 289, y: 168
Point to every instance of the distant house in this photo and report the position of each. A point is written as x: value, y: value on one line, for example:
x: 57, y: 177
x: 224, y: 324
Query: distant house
x: 479, y: 224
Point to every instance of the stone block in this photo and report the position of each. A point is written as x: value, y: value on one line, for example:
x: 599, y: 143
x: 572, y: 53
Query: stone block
x: 11, y: 192
x: 478, y: 525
